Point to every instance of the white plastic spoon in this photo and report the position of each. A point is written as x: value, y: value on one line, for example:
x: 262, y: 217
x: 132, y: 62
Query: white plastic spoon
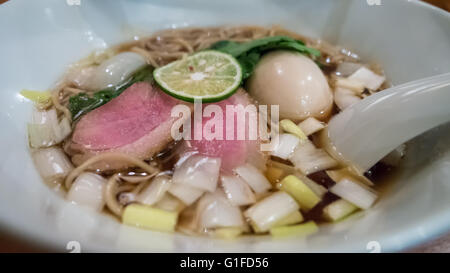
x: 365, y: 132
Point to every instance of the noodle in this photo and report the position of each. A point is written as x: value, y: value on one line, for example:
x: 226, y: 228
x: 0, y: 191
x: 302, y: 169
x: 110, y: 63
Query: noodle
x: 108, y: 156
x: 111, y: 191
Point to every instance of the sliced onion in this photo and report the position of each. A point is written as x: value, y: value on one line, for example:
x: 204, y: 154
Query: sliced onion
x: 368, y: 78
x: 81, y: 76
x: 214, y: 210
x: 52, y: 163
x: 87, y: 190
x: 271, y: 209
x: 345, y: 98
x: 170, y: 203
x: 353, y: 85
x: 185, y: 193
x: 114, y: 71
x: 155, y: 191
x: 254, y: 178
x: 310, y: 126
x: 286, y: 146
x: 197, y: 171
x: 309, y: 159
x: 339, y: 174
x: 345, y: 69
x: 237, y: 191
x: 45, y: 130
x: 355, y: 193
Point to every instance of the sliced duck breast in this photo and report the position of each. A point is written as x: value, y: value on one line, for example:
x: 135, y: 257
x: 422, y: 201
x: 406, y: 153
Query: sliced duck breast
x: 137, y: 123
x: 233, y: 152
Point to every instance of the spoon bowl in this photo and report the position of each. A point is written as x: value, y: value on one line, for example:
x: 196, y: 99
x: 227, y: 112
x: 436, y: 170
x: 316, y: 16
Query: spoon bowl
x: 362, y: 134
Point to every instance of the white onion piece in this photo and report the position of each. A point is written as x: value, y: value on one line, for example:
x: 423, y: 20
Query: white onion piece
x: 114, y: 71
x: 81, y: 76
x: 170, y: 203
x: 155, y: 191
x: 352, y: 85
x: 309, y: 159
x: 271, y: 209
x: 52, y: 163
x: 345, y: 98
x: 286, y: 145
x: 200, y: 172
x: 214, y: 210
x: 310, y: 126
x: 87, y: 190
x: 45, y: 130
x: 368, y: 78
x: 345, y: 69
x: 254, y: 178
x: 348, y: 172
x: 237, y: 191
x: 185, y: 193
x: 355, y: 193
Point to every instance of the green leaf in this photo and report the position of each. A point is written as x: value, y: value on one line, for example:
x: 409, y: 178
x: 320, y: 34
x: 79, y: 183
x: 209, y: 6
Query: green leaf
x: 248, y: 63
x: 248, y: 54
x: 83, y: 103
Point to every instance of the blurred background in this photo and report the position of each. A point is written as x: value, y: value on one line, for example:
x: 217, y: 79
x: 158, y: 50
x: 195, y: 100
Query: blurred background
x: 10, y: 243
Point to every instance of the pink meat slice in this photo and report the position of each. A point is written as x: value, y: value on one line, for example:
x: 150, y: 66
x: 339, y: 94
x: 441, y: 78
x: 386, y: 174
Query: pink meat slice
x: 138, y: 123
x: 232, y: 152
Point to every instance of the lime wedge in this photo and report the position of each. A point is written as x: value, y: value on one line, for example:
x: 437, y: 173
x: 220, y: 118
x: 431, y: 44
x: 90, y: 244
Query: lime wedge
x: 207, y: 75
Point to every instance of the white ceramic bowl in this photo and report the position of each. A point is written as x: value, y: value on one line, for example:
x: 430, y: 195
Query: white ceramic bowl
x: 40, y: 38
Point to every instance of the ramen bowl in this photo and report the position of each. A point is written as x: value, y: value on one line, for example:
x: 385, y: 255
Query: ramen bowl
x: 411, y: 40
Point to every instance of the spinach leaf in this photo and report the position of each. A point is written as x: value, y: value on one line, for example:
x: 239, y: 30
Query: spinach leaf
x: 248, y: 54
x: 82, y: 103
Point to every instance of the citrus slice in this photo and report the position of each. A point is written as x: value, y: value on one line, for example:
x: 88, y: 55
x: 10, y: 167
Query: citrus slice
x: 207, y: 75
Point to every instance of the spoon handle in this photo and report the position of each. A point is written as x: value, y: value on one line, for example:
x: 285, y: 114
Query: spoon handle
x: 367, y: 131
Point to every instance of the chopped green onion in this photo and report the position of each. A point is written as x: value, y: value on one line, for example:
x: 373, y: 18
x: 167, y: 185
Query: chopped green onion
x: 354, y: 192
x: 45, y: 130
x: 290, y: 127
x: 36, y: 96
x: 301, y: 230
x: 310, y: 159
x: 170, y: 203
x: 338, y: 210
x: 293, y: 218
x: 228, y: 233
x: 305, y: 197
x: 267, y: 212
x: 150, y: 218
x: 286, y: 146
x: 310, y: 126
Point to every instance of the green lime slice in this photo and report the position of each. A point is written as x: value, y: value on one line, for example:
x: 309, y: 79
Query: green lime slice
x: 207, y: 75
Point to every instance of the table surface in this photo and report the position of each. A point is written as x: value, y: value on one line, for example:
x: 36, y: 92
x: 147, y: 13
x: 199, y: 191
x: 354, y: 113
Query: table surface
x: 8, y: 243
